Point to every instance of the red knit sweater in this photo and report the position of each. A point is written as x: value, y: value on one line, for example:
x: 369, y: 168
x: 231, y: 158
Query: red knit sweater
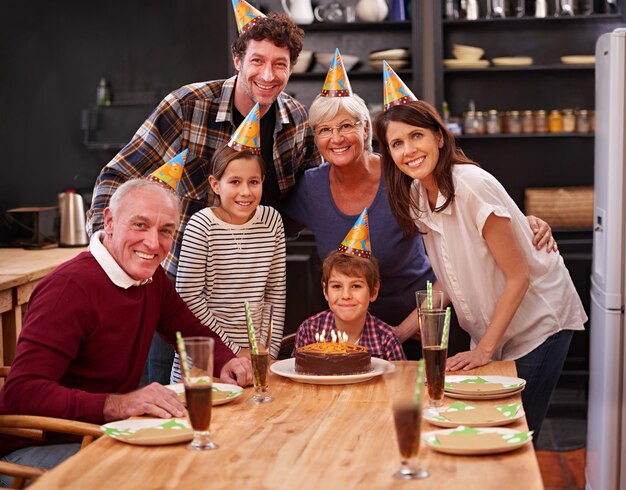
x: 84, y: 337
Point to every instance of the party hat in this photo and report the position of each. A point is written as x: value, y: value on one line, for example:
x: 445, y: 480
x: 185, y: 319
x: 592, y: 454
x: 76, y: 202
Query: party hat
x: 170, y: 173
x: 337, y: 83
x: 248, y: 135
x: 396, y: 91
x: 357, y: 241
x: 246, y: 15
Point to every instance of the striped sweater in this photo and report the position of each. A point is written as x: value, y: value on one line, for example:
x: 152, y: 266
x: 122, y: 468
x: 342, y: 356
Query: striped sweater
x: 222, y: 264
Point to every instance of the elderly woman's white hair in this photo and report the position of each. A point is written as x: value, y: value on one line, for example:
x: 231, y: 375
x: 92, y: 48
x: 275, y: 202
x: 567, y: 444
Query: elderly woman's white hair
x: 325, y: 108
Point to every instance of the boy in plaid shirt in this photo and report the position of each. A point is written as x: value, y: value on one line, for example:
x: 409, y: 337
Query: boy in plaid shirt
x: 351, y: 279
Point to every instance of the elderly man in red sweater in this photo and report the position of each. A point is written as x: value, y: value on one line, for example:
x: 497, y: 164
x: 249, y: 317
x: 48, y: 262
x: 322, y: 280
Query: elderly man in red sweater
x: 89, y: 325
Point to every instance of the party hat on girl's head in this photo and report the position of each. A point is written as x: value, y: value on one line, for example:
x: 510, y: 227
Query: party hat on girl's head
x: 170, y: 173
x: 248, y: 135
x: 337, y: 83
x: 396, y: 91
x: 245, y: 15
x: 357, y: 241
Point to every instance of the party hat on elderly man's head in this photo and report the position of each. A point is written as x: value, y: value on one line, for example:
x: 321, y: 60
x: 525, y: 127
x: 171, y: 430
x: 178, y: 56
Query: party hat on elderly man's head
x: 357, y: 241
x: 396, y: 91
x: 248, y: 135
x: 245, y: 15
x: 337, y: 83
x: 170, y: 173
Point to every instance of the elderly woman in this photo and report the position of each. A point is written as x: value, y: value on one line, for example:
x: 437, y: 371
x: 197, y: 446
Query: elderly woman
x: 329, y: 198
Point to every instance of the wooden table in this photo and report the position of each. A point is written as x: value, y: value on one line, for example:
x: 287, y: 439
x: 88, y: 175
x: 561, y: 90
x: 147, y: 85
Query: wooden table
x: 20, y: 271
x: 310, y: 437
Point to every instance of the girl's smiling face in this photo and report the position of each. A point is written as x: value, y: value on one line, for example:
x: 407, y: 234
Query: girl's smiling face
x: 414, y: 150
x: 240, y: 189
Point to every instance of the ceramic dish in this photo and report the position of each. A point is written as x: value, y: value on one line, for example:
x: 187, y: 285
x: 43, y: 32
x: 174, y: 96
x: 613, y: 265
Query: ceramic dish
x: 483, y: 385
x: 578, y: 60
x: 452, y: 63
x: 394, y: 64
x: 390, y: 54
x: 478, y: 396
x: 222, y: 392
x: 470, y: 441
x: 287, y: 369
x: 512, y: 61
x: 499, y: 415
x: 149, y: 432
x: 324, y: 59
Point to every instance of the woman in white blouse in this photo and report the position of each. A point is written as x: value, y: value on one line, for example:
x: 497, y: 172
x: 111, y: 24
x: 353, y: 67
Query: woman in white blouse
x: 517, y: 303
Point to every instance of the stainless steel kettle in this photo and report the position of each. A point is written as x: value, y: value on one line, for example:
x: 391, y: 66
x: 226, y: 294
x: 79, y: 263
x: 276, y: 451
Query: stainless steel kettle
x: 72, y: 220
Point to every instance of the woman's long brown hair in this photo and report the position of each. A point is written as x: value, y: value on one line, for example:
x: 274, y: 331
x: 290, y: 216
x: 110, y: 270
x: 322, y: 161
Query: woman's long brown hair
x: 422, y: 115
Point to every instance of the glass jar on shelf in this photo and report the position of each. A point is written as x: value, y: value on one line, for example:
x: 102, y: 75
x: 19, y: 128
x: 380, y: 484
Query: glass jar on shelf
x: 480, y: 122
x: 569, y: 121
x: 528, y: 122
x: 469, y: 122
x: 493, y: 124
x: 513, y: 122
x: 555, y: 121
x: 541, y: 121
x: 583, y: 124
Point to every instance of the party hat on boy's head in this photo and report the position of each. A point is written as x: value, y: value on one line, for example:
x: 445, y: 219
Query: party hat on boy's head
x: 396, y: 91
x: 337, y: 83
x: 245, y: 15
x: 357, y: 241
x: 248, y: 135
x: 170, y: 173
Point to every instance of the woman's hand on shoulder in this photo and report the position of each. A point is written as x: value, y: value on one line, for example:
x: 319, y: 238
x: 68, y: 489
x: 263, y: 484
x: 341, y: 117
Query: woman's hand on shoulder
x: 467, y: 360
x: 542, y: 234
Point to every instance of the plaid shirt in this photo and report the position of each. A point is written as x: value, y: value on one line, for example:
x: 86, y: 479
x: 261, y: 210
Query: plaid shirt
x: 199, y: 117
x: 379, y: 338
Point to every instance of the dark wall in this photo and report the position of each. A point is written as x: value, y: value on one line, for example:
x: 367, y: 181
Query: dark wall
x: 52, y: 56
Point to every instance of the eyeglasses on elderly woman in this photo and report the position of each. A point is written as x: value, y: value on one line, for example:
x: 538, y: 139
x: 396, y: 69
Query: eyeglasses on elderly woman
x: 325, y: 132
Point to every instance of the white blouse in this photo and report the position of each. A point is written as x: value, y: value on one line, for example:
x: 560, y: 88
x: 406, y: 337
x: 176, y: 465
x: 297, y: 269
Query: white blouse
x: 471, y: 277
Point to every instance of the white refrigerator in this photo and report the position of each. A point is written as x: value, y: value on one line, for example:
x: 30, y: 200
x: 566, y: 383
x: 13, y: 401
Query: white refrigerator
x: 606, y: 416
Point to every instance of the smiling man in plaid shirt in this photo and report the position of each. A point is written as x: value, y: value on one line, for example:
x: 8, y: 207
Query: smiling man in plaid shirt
x: 201, y: 117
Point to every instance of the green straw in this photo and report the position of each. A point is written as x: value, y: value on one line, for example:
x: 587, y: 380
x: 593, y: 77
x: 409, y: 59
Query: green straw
x: 419, y: 381
x: 183, y: 356
x: 446, y: 329
x: 429, y: 295
x: 251, y: 338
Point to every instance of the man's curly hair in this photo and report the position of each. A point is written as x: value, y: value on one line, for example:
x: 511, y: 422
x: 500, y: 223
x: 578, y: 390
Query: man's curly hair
x: 277, y: 28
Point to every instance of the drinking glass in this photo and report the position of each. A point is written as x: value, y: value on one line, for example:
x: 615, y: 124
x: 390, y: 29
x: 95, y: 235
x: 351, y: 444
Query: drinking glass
x: 422, y: 301
x: 434, y: 354
x: 199, y: 390
x: 261, y: 315
x: 400, y: 384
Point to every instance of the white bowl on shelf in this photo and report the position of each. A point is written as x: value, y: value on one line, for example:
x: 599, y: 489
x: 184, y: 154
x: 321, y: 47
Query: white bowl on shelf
x: 305, y: 60
x: 467, y: 53
x: 324, y: 59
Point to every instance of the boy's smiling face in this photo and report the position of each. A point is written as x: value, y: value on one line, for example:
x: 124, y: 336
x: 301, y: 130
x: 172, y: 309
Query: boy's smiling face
x: 348, y: 296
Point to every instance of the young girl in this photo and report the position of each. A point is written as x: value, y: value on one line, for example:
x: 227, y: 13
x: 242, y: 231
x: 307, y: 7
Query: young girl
x: 515, y: 302
x: 233, y: 252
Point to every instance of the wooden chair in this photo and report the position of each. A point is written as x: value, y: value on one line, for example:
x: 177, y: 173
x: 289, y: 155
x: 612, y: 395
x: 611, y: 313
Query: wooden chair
x: 286, y: 346
x: 34, y: 427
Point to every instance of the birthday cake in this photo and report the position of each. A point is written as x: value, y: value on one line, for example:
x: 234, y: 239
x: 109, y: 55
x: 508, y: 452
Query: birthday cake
x: 332, y: 358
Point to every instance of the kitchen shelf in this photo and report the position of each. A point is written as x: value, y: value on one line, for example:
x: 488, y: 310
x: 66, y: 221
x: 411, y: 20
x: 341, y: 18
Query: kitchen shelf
x: 523, y: 135
x: 352, y: 75
x: 355, y: 26
x: 528, y: 20
x: 559, y: 67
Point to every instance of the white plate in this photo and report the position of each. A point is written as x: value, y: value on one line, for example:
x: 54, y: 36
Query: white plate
x: 454, y: 63
x: 394, y: 64
x: 435, y: 417
x: 509, y: 384
x: 512, y: 61
x: 430, y: 438
x: 390, y: 54
x: 470, y: 396
x: 231, y: 392
x: 286, y: 368
x: 166, y: 431
x: 578, y: 59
